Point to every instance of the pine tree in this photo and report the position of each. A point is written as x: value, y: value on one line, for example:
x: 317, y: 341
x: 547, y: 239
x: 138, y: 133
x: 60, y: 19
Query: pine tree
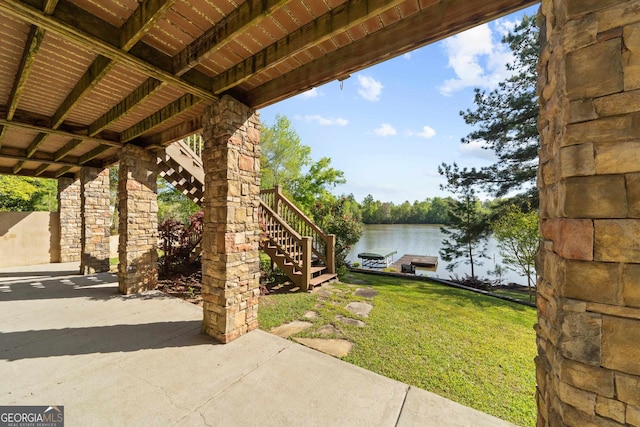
x: 506, y: 120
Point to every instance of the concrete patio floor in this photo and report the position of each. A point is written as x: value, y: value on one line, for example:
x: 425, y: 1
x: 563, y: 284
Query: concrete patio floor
x: 140, y: 360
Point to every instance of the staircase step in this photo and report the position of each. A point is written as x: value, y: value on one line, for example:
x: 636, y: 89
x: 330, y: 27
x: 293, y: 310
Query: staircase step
x: 323, y: 278
x: 317, y: 269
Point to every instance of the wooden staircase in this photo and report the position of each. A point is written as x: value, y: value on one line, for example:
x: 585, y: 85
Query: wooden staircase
x: 293, y: 242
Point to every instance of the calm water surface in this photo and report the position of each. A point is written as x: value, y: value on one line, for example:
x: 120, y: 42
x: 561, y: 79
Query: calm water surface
x: 424, y: 240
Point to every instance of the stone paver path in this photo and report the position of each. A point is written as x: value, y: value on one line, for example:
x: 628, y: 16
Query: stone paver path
x: 359, y: 308
x: 332, y: 346
x: 288, y: 329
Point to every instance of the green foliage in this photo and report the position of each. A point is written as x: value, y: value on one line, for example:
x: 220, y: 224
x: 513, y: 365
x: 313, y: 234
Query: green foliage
x: 329, y: 214
x: 518, y: 237
x: 315, y: 184
x: 468, y: 227
x: 173, y: 204
x: 282, y: 156
x: 506, y: 120
x: 429, y: 211
x: 18, y: 193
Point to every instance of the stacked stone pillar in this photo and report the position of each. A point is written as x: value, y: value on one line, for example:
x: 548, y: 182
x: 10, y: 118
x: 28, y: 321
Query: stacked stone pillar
x: 588, y: 330
x: 230, y: 262
x: 95, y: 232
x: 138, y: 220
x: 70, y: 219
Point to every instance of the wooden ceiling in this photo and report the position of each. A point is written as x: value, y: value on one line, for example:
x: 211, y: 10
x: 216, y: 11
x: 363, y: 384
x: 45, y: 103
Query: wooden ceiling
x: 81, y: 78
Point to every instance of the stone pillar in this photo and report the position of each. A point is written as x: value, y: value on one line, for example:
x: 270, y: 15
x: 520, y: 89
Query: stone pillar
x: 94, y: 202
x: 70, y: 219
x: 138, y: 220
x: 230, y: 263
x: 588, y: 330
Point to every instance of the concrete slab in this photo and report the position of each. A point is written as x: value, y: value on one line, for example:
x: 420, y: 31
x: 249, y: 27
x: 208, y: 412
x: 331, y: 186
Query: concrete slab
x: 141, y: 360
x: 422, y: 408
x: 333, y: 347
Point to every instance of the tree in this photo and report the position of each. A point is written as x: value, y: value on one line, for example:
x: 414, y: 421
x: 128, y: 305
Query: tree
x: 518, y: 236
x: 506, y: 120
x: 467, y: 229
x: 19, y: 193
x: 315, y: 184
x: 282, y: 155
x: 332, y: 216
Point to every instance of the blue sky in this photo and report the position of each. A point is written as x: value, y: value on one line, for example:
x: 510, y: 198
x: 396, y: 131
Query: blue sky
x: 388, y: 127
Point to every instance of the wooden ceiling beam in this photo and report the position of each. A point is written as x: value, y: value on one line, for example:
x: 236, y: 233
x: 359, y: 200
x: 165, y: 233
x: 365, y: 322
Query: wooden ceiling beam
x: 441, y: 20
x: 38, y: 126
x: 90, y: 155
x: 20, y: 155
x: 18, y: 166
x: 246, y: 15
x: 78, y: 26
x: 34, y: 40
x: 36, y: 143
x: 40, y: 170
x: 317, y: 31
x: 63, y: 170
x: 26, y: 172
x: 142, y: 20
x: 141, y: 93
x: 168, y: 136
x: 96, y: 71
x: 177, y: 107
x: 69, y: 147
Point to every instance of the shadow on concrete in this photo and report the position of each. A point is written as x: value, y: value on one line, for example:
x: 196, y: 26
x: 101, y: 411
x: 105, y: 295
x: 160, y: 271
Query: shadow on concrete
x: 17, y: 274
x: 100, y: 339
x: 97, y: 287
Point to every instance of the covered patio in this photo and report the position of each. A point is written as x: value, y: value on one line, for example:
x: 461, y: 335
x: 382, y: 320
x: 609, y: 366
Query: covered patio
x: 140, y: 360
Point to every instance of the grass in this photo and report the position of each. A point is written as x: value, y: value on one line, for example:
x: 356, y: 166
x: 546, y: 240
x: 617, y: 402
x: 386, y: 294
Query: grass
x: 470, y: 348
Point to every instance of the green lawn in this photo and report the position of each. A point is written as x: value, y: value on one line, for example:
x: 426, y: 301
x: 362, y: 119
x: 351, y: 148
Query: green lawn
x: 468, y: 347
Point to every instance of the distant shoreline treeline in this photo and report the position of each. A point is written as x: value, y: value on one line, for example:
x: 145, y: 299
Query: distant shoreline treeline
x: 429, y: 211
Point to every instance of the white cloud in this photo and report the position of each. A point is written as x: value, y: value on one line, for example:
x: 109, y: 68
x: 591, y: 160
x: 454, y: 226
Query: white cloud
x: 407, y: 56
x: 427, y: 132
x: 369, y: 88
x: 477, y: 149
x: 477, y: 59
x: 385, y: 130
x: 313, y: 93
x: 325, y: 121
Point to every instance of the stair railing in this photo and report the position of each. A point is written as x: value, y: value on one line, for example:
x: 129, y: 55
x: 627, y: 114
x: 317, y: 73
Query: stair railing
x: 296, y: 249
x: 323, y: 245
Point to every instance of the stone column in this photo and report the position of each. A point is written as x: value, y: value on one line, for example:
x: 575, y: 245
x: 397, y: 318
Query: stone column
x: 94, y: 202
x: 230, y: 263
x: 138, y: 220
x: 70, y: 219
x: 588, y: 330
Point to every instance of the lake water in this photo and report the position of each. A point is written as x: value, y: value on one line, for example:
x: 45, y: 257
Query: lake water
x: 425, y: 240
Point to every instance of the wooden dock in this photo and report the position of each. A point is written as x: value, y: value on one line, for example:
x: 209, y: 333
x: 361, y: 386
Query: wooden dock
x: 428, y: 262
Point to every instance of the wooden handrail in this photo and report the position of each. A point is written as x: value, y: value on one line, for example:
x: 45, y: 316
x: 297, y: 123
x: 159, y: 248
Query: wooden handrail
x: 323, y: 245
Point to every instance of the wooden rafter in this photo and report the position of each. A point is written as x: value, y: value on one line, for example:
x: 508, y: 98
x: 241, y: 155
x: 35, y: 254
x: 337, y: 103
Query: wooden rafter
x: 248, y: 14
x: 96, y: 71
x: 69, y: 147
x: 442, y: 19
x: 141, y: 21
x: 36, y: 143
x: 18, y: 166
x: 34, y: 40
x: 92, y: 154
x: 178, y: 106
x: 40, y: 170
x: 34, y: 126
x: 97, y: 36
x: 20, y: 156
x: 141, y: 93
x: 168, y: 136
x: 62, y: 171
x: 317, y: 31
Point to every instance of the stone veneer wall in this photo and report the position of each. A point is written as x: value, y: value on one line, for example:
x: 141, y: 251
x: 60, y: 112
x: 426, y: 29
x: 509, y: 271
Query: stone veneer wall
x: 138, y: 220
x: 230, y: 262
x: 70, y: 219
x: 588, y: 330
x: 94, y: 202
